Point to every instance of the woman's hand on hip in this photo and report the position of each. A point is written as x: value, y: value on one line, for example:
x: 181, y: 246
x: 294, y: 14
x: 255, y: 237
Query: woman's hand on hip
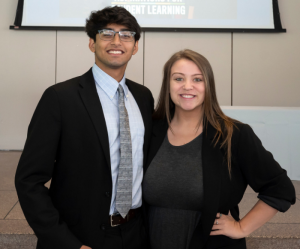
x: 228, y: 226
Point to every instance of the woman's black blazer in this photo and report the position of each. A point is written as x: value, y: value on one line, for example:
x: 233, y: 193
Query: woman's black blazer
x: 250, y: 164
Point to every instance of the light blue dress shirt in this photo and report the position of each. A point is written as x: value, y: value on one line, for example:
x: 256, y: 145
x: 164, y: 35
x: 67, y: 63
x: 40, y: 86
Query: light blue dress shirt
x: 107, y: 90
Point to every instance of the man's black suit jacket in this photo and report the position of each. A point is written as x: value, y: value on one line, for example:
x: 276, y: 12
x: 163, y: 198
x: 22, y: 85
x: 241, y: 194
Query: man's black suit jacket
x: 251, y: 164
x: 68, y: 142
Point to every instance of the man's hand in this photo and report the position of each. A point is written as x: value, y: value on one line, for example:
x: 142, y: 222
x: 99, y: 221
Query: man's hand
x: 228, y: 226
x: 85, y: 247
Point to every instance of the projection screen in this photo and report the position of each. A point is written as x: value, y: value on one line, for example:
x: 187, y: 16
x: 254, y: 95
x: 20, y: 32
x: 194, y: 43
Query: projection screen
x: 155, y: 14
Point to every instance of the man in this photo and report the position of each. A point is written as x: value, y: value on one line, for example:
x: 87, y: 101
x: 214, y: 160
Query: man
x: 90, y: 135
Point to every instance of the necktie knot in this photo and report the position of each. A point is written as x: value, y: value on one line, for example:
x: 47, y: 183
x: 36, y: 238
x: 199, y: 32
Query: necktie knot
x: 121, y: 90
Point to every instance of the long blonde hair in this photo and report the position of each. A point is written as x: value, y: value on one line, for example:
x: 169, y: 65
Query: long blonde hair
x: 212, y: 112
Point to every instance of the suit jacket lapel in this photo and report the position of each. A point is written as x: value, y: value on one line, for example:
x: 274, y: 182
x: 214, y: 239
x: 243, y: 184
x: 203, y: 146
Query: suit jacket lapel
x: 90, y: 98
x: 146, y: 115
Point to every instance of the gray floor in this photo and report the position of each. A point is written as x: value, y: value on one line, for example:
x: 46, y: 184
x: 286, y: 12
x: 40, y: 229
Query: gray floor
x: 283, y: 231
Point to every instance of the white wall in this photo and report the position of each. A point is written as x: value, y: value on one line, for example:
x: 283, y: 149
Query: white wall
x: 264, y: 71
x: 278, y: 128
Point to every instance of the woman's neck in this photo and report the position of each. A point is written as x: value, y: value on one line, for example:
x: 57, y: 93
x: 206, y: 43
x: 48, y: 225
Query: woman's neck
x: 187, y: 119
x: 185, y: 126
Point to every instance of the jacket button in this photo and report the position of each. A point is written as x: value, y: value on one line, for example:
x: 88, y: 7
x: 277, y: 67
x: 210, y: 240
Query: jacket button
x: 107, y: 194
x: 103, y: 227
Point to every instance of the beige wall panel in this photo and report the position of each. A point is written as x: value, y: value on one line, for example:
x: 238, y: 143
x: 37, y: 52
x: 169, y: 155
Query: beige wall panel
x: 74, y: 57
x: 266, y: 67
x: 27, y: 68
x: 216, y: 47
x: 135, y: 66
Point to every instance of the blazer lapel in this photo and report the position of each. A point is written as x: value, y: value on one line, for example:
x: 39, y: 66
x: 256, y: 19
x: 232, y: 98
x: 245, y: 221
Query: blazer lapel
x: 90, y: 98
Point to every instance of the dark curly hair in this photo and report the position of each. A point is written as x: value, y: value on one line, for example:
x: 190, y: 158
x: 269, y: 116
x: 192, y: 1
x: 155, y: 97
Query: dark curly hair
x: 118, y: 15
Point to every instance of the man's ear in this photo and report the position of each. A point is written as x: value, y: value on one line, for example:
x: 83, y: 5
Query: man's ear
x: 135, y: 48
x: 92, y: 45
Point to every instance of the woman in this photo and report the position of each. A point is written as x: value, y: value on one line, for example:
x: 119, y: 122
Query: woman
x: 200, y: 163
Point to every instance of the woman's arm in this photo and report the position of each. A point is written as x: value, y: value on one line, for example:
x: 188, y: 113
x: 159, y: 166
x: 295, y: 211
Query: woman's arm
x: 257, y: 216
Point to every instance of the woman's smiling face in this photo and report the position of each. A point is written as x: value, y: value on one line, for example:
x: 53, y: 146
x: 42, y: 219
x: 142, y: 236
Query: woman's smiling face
x: 187, y: 87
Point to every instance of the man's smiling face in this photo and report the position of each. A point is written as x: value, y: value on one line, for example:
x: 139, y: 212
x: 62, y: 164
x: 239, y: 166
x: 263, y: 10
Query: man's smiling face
x: 113, y: 54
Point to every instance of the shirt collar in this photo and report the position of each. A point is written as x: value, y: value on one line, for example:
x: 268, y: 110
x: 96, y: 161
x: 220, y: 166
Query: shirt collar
x: 107, y: 83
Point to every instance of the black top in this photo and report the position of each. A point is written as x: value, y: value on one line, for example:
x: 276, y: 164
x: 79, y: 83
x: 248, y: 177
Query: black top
x: 173, y: 186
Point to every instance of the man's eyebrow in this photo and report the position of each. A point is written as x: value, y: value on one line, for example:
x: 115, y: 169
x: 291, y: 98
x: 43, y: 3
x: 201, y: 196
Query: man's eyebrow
x: 120, y: 29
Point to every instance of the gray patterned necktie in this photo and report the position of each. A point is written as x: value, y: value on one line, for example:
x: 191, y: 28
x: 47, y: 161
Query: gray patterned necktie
x: 124, y: 183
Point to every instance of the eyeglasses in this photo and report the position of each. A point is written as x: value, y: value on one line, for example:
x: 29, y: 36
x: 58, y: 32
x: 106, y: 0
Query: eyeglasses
x: 108, y: 35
